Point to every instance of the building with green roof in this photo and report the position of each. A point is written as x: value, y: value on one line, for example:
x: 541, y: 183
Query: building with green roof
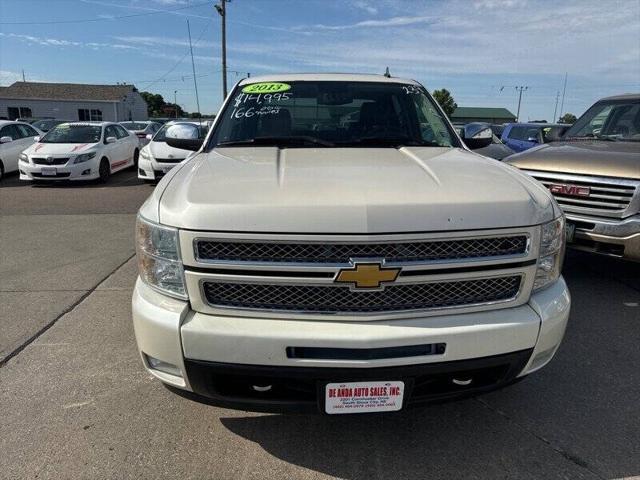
x: 482, y: 114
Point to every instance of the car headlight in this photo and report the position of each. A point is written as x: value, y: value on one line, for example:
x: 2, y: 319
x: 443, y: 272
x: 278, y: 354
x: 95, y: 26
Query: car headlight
x: 84, y: 157
x: 552, y: 246
x: 144, y: 153
x: 23, y: 158
x: 159, y: 263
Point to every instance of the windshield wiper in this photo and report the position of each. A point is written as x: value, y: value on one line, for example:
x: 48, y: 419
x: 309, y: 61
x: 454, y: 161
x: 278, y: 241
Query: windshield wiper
x: 592, y: 137
x: 284, y: 141
x: 395, y: 142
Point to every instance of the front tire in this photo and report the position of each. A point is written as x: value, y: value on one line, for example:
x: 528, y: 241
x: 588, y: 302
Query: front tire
x: 1, y: 170
x: 136, y: 156
x: 104, y: 170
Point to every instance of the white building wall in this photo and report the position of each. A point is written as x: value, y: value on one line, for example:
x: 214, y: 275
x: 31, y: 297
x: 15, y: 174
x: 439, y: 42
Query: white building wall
x: 68, y: 109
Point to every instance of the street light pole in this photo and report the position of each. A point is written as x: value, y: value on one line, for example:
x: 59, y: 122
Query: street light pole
x: 222, y: 10
x: 520, y: 89
x: 175, y: 101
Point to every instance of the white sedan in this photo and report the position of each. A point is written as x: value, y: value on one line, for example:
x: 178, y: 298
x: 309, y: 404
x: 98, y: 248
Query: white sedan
x: 157, y: 158
x: 14, y: 138
x: 80, y: 151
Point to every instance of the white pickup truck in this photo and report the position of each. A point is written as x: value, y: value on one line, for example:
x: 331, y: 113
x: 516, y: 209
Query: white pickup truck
x: 334, y: 246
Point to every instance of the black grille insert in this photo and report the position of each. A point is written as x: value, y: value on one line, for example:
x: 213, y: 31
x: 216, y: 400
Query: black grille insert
x: 54, y: 161
x: 217, y: 250
x: 337, y: 299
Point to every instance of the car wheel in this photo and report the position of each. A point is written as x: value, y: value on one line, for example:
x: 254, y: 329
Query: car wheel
x: 136, y: 156
x: 1, y: 170
x: 104, y: 170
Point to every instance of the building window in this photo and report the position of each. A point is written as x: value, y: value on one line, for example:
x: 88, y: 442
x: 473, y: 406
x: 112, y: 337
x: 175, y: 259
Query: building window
x: 87, y: 115
x: 18, y: 112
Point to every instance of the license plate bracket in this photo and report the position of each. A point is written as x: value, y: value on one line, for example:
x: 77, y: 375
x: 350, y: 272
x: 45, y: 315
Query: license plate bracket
x: 364, y: 397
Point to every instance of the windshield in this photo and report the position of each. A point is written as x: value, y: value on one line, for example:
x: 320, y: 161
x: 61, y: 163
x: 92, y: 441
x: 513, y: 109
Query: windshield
x: 181, y: 130
x: 46, y: 125
x: 73, y: 133
x: 332, y: 114
x: 132, y: 126
x: 614, y: 120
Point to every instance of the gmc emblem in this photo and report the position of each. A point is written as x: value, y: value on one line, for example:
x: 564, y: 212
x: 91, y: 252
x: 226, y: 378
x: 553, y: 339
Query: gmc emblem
x: 571, y: 190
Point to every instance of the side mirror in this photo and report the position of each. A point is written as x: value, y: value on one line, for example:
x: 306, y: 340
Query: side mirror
x: 36, y: 139
x: 532, y: 140
x: 192, y: 144
x: 477, y: 136
x: 148, y: 136
x: 6, y: 139
x: 110, y: 140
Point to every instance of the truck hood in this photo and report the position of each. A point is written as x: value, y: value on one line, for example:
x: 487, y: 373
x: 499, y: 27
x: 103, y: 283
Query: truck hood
x: 349, y: 190
x: 59, y: 148
x: 602, y: 158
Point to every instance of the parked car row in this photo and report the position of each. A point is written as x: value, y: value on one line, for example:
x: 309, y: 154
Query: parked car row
x: 90, y: 150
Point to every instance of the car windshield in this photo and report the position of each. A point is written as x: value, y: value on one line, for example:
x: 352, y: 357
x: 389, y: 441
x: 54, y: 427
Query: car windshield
x: 609, y: 120
x: 332, y: 114
x: 46, y: 125
x: 133, y: 126
x: 73, y: 133
x: 181, y: 130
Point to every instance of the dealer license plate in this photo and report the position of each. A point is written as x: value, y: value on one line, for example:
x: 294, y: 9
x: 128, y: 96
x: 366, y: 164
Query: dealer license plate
x: 570, y: 229
x: 49, y: 172
x: 363, y: 397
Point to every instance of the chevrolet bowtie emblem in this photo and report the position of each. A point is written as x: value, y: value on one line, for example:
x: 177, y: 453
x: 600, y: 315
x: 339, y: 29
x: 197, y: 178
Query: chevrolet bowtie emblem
x: 367, y: 275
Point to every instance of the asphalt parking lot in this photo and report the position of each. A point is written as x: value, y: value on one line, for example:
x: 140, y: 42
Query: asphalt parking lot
x: 76, y: 402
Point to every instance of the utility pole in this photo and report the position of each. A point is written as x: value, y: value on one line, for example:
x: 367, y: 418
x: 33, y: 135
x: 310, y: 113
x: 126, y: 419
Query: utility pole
x: 564, y: 89
x: 222, y: 10
x: 193, y: 67
x: 520, y: 90
x: 175, y: 101
x: 555, y: 110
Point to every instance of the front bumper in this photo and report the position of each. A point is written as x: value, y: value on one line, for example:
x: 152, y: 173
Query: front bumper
x: 618, y: 238
x: 221, y: 357
x: 152, y: 170
x: 81, y: 171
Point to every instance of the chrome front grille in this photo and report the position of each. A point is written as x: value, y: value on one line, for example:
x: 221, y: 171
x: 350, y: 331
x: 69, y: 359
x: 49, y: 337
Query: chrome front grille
x: 301, y: 275
x: 608, y: 197
x: 339, y: 299
x: 495, y: 246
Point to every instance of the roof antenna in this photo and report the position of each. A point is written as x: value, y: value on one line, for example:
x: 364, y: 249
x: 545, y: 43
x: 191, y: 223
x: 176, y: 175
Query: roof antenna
x: 386, y: 73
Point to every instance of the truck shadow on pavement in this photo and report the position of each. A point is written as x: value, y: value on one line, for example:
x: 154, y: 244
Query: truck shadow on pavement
x: 579, y: 417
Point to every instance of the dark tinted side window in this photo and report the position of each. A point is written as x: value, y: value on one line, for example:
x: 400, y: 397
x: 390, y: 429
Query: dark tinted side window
x: 110, y: 131
x: 26, y: 131
x: 517, y: 133
x: 121, y: 132
x: 10, y: 131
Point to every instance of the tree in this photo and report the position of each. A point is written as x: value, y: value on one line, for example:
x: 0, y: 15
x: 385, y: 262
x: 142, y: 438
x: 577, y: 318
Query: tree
x: 569, y: 118
x: 157, y: 107
x: 444, y: 98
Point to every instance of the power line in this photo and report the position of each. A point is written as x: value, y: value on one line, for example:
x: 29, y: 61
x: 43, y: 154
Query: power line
x: 102, y: 19
x: 175, y: 65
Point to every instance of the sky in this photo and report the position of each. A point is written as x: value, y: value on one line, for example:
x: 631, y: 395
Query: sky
x: 480, y: 50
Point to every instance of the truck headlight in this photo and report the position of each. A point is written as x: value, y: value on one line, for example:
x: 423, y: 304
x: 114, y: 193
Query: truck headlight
x: 23, y: 158
x: 159, y: 263
x: 552, y: 246
x: 84, y: 157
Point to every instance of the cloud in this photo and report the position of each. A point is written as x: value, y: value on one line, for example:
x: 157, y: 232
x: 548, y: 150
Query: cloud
x: 368, y: 7
x: 151, y: 41
x: 389, y: 22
